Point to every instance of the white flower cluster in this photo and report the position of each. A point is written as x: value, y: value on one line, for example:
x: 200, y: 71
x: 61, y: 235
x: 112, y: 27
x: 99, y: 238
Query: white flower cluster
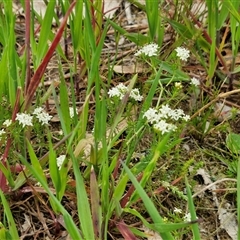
x: 160, y: 117
x: 120, y: 90
x: 148, y: 50
x: 182, y: 53
x: 42, y: 116
x: 24, y: 119
x: 186, y: 217
x: 27, y: 119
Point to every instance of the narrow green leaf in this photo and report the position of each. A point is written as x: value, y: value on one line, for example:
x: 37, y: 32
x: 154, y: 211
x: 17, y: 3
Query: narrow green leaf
x: 35, y: 163
x: 11, y: 224
x: 83, y: 206
x: 195, y: 228
x: 46, y: 25
x: 53, y: 168
x: 8, y: 174
x: 153, y: 212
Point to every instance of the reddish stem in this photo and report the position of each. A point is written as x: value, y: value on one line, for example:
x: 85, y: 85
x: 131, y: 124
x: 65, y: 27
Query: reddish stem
x: 3, y: 180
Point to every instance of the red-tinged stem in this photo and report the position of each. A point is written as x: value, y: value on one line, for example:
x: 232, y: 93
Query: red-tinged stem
x: 125, y: 231
x: 129, y: 193
x: 93, y: 15
x: 42, y: 67
x: 3, y: 180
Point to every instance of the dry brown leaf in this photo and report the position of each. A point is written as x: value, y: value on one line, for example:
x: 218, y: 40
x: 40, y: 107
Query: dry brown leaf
x: 40, y: 7
x: 130, y: 69
x: 27, y: 223
x: 222, y: 111
x: 228, y: 57
x: 228, y: 221
x: 85, y: 144
x: 151, y: 235
x: 110, y: 7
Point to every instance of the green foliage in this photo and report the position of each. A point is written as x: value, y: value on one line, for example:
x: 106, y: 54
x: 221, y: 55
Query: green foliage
x: 102, y: 138
x: 13, y: 232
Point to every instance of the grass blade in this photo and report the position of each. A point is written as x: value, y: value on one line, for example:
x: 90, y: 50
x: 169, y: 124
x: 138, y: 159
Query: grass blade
x: 153, y: 212
x: 85, y: 216
x: 195, y: 228
x: 11, y: 224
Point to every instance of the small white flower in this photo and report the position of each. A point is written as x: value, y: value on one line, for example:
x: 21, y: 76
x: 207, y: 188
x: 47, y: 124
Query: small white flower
x: 176, y: 114
x: 182, y: 53
x: 114, y: 92
x: 148, y: 50
x: 186, y: 118
x: 37, y: 110
x: 119, y: 91
x: 177, y: 210
x: 178, y: 85
x: 2, y: 131
x: 187, y: 217
x: 151, y: 115
x: 38, y: 184
x: 136, y: 95
x: 121, y: 87
x: 172, y: 127
x: 24, y: 119
x: 43, y: 117
x: 60, y: 132
x: 195, y: 81
x: 7, y: 122
x: 164, y: 127
x: 165, y: 110
x: 71, y: 112
x: 60, y: 160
